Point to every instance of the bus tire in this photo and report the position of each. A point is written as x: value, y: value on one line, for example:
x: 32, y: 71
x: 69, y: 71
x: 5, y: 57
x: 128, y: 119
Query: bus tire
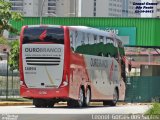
x: 38, y: 103
x: 50, y: 103
x: 114, y: 101
x: 105, y: 103
x: 88, y: 97
x: 81, y: 98
x: 115, y: 98
x: 71, y: 103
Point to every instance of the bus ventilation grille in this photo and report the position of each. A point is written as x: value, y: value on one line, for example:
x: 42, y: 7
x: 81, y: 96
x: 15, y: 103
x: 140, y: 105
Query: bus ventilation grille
x: 43, y: 60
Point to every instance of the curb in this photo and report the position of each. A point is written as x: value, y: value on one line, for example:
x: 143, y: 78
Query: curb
x: 10, y: 103
x: 14, y: 103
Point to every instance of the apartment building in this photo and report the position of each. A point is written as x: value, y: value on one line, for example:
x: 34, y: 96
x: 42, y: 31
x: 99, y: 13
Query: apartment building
x: 34, y: 8
x: 108, y: 8
x: 76, y: 8
x: 157, y: 15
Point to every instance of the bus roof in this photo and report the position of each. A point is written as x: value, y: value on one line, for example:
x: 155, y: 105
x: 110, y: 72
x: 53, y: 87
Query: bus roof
x: 94, y: 31
x: 43, y: 26
x: 85, y: 29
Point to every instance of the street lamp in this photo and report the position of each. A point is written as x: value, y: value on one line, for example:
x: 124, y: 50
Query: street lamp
x: 41, y: 11
x: 75, y: 7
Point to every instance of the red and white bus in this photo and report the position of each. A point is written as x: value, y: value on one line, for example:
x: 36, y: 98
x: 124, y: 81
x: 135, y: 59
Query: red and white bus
x: 76, y: 64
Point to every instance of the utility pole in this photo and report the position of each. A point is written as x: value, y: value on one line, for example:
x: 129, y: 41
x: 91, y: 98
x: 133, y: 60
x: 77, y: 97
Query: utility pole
x: 75, y: 7
x: 7, y: 54
x: 41, y: 12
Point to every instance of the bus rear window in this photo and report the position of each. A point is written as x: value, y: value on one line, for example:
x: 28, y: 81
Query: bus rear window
x: 43, y: 34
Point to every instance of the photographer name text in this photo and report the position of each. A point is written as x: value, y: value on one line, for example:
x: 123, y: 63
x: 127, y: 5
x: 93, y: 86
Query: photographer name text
x: 145, y: 7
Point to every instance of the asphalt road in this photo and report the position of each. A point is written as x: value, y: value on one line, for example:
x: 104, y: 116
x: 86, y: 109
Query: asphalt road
x: 65, y: 113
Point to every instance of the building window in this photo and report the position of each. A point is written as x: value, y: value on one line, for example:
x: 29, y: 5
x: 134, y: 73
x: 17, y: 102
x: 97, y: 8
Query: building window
x: 94, y: 9
x: 110, y: 9
x: 17, y: 8
x: 17, y: 4
x: 52, y: 12
x: 51, y: 8
x: 94, y: 14
x: 52, y: 0
x: 51, y: 4
x: 16, y: 0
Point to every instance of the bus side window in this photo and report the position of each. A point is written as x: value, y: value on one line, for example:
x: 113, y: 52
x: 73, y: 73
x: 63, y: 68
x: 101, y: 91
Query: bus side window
x: 88, y: 38
x: 101, y: 39
x: 98, y: 39
x: 83, y: 38
x: 91, y: 39
x: 95, y: 39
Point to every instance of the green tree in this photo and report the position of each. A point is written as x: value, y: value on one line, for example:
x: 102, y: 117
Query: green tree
x: 14, y: 55
x: 3, y: 40
x: 6, y: 15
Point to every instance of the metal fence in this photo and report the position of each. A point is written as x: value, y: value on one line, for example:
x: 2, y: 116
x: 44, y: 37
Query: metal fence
x: 12, y: 90
x: 143, y: 89
x: 9, y: 85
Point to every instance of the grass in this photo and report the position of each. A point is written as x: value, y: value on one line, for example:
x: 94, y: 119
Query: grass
x: 155, y: 110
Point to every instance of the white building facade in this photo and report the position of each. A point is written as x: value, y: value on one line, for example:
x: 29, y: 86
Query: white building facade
x: 108, y: 8
x: 34, y: 8
x: 157, y: 15
x: 155, y: 9
x: 76, y: 8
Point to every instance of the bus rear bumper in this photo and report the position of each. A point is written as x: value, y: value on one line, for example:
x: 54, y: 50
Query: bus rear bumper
x: 44, y: 93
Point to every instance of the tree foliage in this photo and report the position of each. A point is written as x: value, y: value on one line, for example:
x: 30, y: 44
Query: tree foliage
x: 14, y: 55
x: 3, y: 40
x: 6, y: 15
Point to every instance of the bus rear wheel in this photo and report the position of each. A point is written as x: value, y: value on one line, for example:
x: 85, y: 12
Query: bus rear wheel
x: 71, y: 103
x: 88, y: 97
x: 50, y: 103
x: 81, y: 99
x: 39, y: 103
x: 114, y: 101
x: 115, y: 98
x: 77, y: 103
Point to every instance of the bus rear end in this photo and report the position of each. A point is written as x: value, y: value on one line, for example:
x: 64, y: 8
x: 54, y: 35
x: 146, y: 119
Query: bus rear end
x: 42, y: 64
